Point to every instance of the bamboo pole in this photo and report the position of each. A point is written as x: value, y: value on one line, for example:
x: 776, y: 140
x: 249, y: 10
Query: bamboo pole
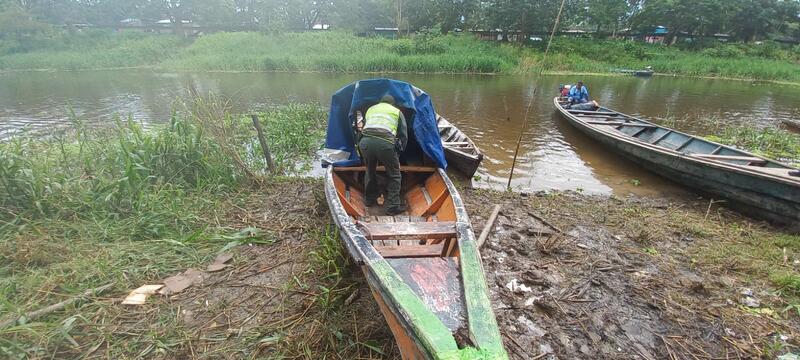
x: 53, y: 308
x: 541, y: 69
x: 263, y: 141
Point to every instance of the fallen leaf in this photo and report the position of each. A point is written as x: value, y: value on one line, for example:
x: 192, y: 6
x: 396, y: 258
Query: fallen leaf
x: 178, y: 283
x: 216, y: 267
x: 223, y: 258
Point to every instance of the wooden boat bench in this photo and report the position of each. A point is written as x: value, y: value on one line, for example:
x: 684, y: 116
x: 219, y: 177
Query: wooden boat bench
x: 411, y: 239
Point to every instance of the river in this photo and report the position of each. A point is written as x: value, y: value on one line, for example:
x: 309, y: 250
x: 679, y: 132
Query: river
x: 490, y: 109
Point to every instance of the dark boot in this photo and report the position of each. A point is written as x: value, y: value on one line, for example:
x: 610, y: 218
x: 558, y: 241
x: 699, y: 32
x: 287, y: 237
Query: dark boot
x: 394, y: 210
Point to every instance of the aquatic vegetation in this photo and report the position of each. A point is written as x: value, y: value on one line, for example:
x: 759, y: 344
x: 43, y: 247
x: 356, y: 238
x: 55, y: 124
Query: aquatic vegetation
x: 770, y: 142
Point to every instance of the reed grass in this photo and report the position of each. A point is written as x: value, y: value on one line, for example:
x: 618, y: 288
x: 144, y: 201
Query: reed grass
x: 126, y: 206
x: 422, y: 53
x: 342, y: 52
x: 92, y: 50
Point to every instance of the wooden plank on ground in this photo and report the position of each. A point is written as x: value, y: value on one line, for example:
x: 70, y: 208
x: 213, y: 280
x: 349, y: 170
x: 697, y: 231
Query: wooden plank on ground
x: 411, y: 230
x: 403, y: 251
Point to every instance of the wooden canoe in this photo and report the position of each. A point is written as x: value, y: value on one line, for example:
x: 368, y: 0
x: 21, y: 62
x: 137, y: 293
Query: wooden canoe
x: 755, y: 185
x: 459, y: 150
x: 423, y: 266
x: 791, y: 124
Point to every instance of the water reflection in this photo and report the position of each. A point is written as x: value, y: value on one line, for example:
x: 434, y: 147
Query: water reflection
x: 491, y: 109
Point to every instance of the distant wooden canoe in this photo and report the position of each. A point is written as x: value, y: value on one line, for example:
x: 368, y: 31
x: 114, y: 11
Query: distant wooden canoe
x: 760, y: 187
x: 423, y: 266
x: 459, y: 150
x: 791, y: 124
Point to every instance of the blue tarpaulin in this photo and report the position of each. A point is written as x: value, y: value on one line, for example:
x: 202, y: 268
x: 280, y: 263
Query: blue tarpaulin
x: 423, y: 134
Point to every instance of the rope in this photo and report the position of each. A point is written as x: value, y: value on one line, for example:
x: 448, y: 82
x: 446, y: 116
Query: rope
x: 530, y: 102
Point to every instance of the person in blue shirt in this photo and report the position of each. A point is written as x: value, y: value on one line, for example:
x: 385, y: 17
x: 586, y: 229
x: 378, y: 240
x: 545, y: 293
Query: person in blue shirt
x: 579, y: 94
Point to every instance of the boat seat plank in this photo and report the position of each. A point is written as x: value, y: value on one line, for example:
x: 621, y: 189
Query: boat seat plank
x: 591, y: 112
x: 435, y: 281
x: 410, y: 251
x: 664, y: 135
x: 410, y: 230
x: 618, y: 123
x: 403, y: 168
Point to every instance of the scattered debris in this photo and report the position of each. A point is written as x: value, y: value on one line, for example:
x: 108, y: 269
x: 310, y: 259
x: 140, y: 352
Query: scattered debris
x: 140, y: 294
x: 514, y: 286
x: 219, y: 262
x: 597, y: 292
x: 178, y: 283
x: 748, y: 299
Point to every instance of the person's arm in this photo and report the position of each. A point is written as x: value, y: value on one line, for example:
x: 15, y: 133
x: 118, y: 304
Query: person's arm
x: 402, y: 132
x: 586, y: 91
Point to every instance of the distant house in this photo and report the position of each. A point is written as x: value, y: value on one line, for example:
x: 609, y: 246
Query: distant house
x: 722, y: 37
x: 169, y: 22
x: 386, y: 32
x: 657, y: 36
x: 131, y: 22
x: 320, y: 27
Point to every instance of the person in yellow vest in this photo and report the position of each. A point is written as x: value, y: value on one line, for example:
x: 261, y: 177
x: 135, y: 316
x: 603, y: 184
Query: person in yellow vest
x: 383, y: 138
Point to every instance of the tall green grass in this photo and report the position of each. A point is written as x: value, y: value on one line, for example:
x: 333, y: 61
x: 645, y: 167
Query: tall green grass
x: 423, y: 53
x: 90, y: 50
x: 127, y: 206
x: 342, y: 52
x: 602, y: 56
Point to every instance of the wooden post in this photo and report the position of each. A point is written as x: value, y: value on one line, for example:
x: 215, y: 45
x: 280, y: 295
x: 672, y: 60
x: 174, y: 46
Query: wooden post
x: 263, y: 141
x: 488, y: 227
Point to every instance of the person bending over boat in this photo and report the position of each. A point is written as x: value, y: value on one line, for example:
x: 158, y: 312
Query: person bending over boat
x: 383, y: 138
x: 579, y: 94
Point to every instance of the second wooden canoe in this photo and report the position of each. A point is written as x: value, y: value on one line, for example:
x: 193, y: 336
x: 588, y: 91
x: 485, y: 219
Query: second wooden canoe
x: 423, y: 266
x: 459, y: 150
x: 760, y: 187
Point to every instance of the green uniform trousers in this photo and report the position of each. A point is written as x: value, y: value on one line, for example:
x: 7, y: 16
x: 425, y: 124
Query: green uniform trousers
x: 374, y: 151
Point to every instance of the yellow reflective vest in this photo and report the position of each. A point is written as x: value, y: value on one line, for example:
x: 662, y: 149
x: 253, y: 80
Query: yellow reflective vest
x: 383, y: 117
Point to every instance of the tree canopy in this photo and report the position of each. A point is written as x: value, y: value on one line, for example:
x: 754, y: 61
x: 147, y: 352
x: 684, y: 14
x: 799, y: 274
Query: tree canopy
x: 745, y: 20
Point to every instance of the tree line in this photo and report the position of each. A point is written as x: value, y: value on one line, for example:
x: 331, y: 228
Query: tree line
x: 745, y: 20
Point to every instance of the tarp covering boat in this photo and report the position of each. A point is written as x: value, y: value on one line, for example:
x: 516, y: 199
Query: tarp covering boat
x: 359, y: 96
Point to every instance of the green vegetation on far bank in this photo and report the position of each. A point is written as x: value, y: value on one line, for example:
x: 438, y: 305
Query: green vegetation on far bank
x: 425, y: 53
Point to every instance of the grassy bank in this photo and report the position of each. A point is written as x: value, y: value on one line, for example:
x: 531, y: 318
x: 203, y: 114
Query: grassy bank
x: 127, y: 207
x: 343, y: 52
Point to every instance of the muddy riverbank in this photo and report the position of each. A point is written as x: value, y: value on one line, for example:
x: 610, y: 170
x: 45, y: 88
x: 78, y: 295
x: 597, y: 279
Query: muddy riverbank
x: 571, y: 276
